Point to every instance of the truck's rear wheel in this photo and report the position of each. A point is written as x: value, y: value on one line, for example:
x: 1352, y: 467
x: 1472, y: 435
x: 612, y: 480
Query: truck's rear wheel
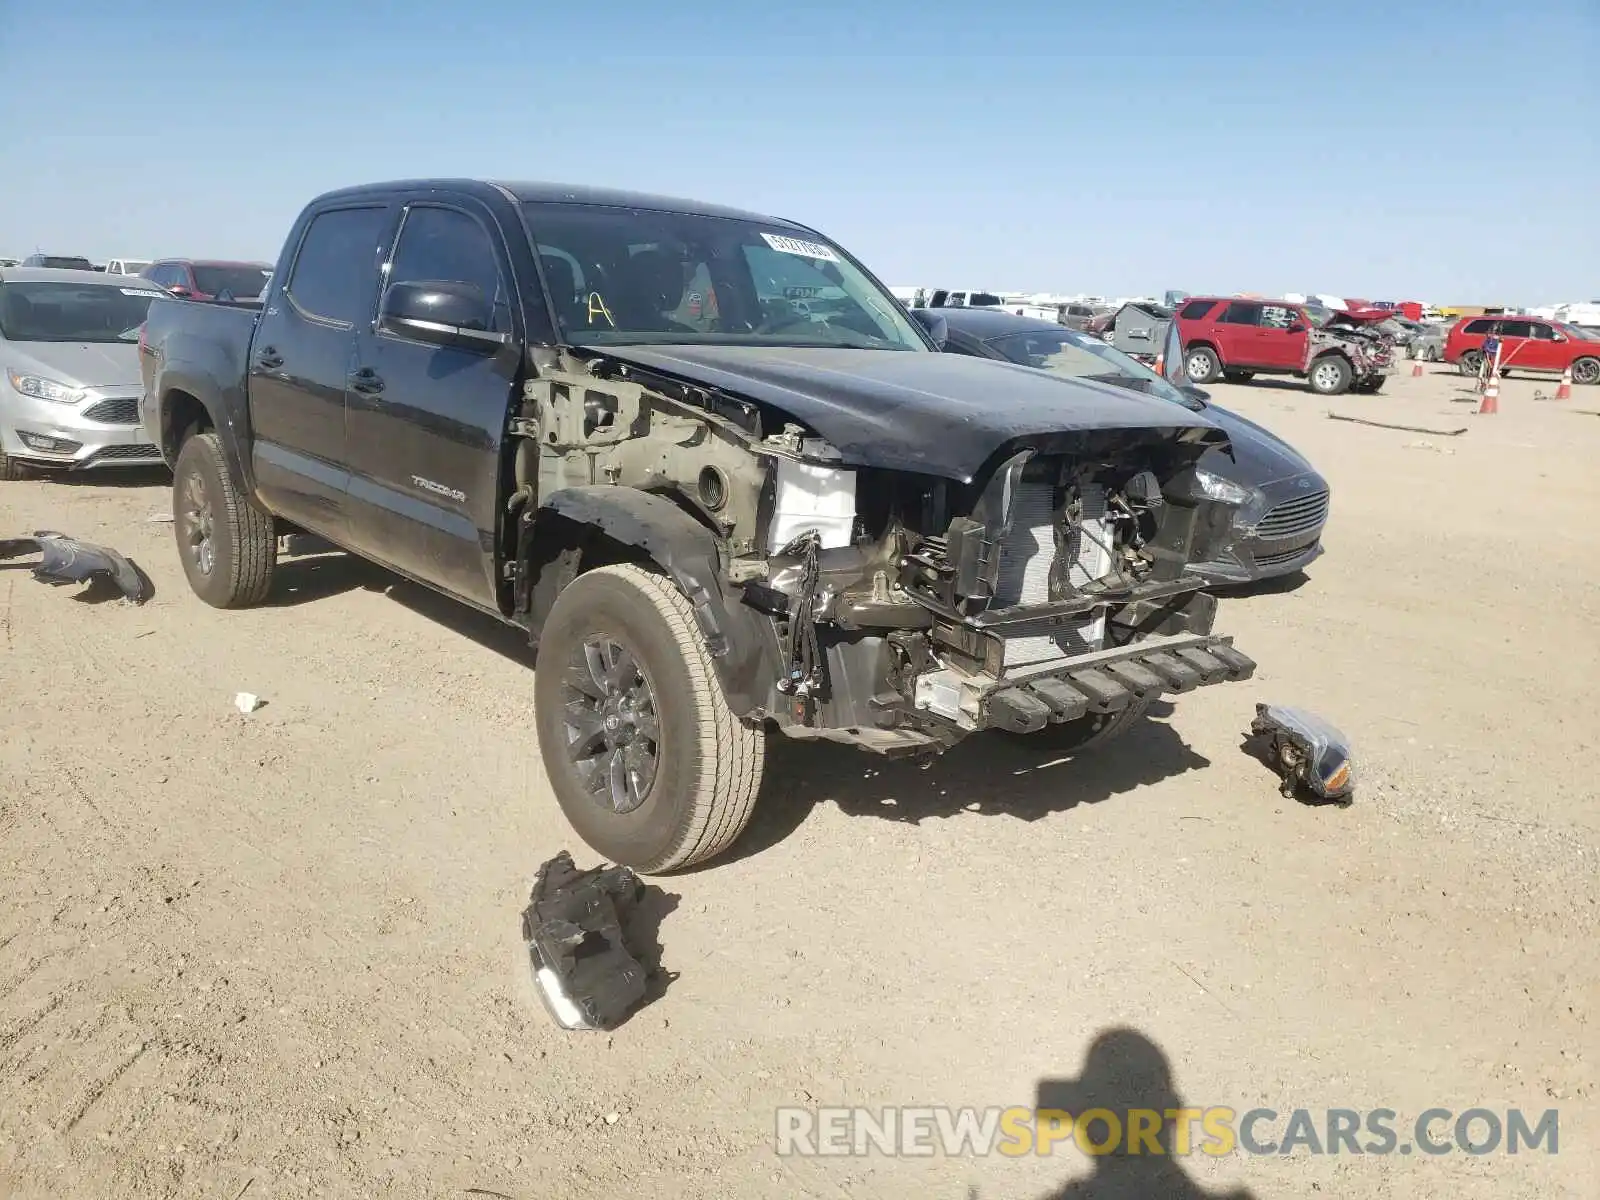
x: 228, y: 547
x: 646, y: 760
x: 1471, y: 362
x: 1330, y: 375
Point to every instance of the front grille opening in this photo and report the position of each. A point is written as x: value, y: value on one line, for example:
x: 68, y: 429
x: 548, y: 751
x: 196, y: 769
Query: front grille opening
x: 122, y: 411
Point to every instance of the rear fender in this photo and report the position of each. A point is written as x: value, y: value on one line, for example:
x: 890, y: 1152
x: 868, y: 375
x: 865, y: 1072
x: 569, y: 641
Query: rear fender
x: 585, y: 526
x: 181, y: 395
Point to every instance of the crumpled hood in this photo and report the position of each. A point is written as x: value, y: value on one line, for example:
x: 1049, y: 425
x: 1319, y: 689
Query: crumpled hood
x: 78, y: 364
x: 937, y: 414
x: 1259, y: 456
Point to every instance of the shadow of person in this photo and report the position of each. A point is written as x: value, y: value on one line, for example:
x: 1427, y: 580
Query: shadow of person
x: 1128, y: 1079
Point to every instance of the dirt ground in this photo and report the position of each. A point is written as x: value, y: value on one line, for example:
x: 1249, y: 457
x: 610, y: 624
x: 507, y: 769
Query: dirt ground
x: 279, y: 954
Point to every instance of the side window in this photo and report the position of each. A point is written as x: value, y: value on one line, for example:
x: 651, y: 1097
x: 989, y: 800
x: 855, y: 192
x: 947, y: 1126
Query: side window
x: 1516, y: 329
x: 1543, y: 332
x: 1275, y: 316
x: 1242, y: 312
x: 335, y: 265
x: 1479, y: 326
x: 447, y: 245
x: 1196, y: 309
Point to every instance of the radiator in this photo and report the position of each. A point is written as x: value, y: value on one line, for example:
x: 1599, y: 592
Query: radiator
x: 1025, y: 560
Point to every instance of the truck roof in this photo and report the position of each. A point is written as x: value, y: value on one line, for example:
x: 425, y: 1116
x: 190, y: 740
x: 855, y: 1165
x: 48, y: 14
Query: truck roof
x: 564, y: 193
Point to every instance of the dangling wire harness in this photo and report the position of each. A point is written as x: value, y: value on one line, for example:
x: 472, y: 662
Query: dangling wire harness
x: 803, y: 651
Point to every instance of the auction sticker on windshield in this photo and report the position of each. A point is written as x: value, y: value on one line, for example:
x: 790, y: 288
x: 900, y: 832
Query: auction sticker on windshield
x: 140, y: 292
x: 789, y: 245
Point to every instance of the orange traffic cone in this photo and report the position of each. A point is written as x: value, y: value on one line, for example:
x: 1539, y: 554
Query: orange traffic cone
x: 1491, y: 396
x: 1416, y: 368
x: 1564, y: 391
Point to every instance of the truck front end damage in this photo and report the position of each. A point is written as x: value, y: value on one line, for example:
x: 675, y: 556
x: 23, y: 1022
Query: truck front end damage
x: 1054, y: 590
x: 901, y: 609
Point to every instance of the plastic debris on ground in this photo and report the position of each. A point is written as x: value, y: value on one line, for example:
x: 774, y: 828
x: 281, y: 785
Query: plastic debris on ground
x: 1306, y: 751
x: 588, y: 970
x: 64, y: 560
x: 247, y: 702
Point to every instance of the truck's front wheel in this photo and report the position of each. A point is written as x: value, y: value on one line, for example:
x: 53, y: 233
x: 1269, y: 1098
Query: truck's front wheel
x: 228, y: 547
x: 1331, y: 375
x: 646, y: 760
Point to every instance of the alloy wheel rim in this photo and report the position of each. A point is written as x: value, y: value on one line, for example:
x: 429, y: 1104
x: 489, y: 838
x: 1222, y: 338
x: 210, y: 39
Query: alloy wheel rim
x: 1327, y: 376
x: 612, y: 727
x: 198, y: 525
x: 1199, y: 366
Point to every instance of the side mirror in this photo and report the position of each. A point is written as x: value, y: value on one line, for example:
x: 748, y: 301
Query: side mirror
x: 442, y: 312
x: 1199, y: 397
x: 938, y: 328
x: 1297, y: 327
x: 1560, y: 337
x: 180, y: 291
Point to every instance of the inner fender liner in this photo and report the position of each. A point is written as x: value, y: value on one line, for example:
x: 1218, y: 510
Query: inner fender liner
x: 64, y: 559
x: 743, y: 642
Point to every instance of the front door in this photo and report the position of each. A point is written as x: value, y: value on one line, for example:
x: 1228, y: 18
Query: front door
x: 300, y: 360
x: 1543, y: 352
x: 424, y: 423
x: 1282, y: 338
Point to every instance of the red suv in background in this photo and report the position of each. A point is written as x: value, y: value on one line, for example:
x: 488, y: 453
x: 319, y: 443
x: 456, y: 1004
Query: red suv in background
x: 1237, y: 338
x: 1526, y: 344
x: 206, y: 279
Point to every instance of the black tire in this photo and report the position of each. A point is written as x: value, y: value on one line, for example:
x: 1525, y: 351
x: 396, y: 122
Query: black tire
x: 1330, y: 375
x: 707, y: 763
x: 208, y: 510
x: 1586, y: 370
x: 1470, y: 362
x: 1369, y: 387
x: 1238, y: 376
x: 1086, y: 733
x: 1202, y: 363
x: 11, y: 470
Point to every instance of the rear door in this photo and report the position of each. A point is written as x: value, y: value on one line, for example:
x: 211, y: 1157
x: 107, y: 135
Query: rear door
x: 300, y: 361
x: 1236, y: 329
x: 1516, y: 341
x: 425, y: 422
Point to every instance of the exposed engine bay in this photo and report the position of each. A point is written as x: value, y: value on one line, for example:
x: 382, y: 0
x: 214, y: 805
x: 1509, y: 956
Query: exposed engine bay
x: 909, y: 608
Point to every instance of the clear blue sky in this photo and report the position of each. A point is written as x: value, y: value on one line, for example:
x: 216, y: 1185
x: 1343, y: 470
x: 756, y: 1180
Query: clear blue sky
x: 1442, y: 151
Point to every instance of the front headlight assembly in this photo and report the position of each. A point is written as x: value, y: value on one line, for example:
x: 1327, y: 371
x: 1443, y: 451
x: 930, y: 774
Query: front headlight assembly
x: 41, y: 388
x: 1224, y: 491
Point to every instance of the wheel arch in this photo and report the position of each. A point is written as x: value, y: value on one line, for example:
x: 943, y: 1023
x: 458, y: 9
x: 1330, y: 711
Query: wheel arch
x: 577, y: 529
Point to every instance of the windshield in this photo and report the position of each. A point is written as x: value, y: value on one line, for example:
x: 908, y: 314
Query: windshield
x: 1080, y: 356
x: 1580, y: 333
x: 72, y: 312
x: 1317, y: 314
x: 243, y: 283
x: 64, y: 262
x: 132, y: 266
x: 624, y: 275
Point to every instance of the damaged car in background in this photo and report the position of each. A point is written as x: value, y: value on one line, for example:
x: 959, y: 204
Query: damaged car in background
x: 1334, y: 351
x: 602, y: 417
x: 1269, y: 506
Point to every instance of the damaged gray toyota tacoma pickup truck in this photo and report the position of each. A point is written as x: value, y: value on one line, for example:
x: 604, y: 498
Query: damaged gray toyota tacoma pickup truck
x: 712, y: 467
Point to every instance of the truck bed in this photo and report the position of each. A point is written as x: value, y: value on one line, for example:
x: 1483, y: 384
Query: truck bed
x: 194, y: 346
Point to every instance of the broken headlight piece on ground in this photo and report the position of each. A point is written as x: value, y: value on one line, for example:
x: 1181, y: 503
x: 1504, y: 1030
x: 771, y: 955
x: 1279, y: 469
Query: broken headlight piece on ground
x: 1306, y: 751
x: 585, y: 972
x: 65, y: 560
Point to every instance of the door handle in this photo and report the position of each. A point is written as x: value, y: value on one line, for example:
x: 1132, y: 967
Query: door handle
x: 269, y: 359
x: 366, y: 382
